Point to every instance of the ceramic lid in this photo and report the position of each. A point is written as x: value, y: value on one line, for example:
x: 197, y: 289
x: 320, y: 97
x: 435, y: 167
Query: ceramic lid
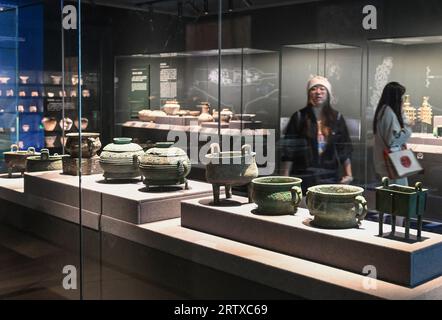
x: 163, y: 154
x: 165, y: 149
x: 122, y: 145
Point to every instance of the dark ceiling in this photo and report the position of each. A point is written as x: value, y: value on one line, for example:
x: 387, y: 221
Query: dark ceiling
x: 193, y: 8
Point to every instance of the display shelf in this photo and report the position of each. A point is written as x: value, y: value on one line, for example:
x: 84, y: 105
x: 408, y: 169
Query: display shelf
x: 125, y: 200
x: 407, y: 263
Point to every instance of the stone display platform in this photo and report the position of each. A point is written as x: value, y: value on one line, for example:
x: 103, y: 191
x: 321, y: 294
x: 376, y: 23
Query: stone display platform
x: 396, y: 261
x: 126, y: 200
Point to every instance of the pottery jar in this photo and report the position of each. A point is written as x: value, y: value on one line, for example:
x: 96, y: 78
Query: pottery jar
x: 205, y: 116
x: 165, y: 165
x: 276, y: 195
x: 84, y: 123
x: 230, y: 168
x: 226, y: 115
x: 336, y: 206
x: 171, y: 107
x: 16, y: 159
x: 90, y: 144
x: 150, y: 115
x: 44, y: 162
x: 119, y: 160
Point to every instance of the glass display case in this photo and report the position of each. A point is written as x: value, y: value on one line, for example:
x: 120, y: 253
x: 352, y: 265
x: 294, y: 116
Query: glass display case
x: 159, y: 94
x: 9, y: 80
x: 172, y: 119
x: 415, y: 63
x: 342, y: 66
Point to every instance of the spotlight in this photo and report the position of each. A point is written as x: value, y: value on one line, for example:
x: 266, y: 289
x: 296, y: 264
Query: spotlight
x: 230, y: 6
x: 206, y: 7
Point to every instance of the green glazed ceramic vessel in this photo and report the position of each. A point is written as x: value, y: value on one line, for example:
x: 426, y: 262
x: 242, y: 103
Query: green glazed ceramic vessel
x: 16, y: 159
x: 165, y: 165
x: 119, y: 160
x: 230, y: 168
x: 336, y: 206
x: 90, y: 144
x: 44, y: 162
x: 276, y: 195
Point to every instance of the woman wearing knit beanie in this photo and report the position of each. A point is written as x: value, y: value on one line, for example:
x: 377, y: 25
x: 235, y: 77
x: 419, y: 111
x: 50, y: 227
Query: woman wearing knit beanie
x: 317, y: 145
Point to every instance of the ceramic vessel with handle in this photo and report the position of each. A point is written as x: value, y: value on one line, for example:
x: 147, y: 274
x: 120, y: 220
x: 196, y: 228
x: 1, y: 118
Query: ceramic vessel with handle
x: 165, y: 165
x: 230, y: 168
x: 44, y: 162
x: 119, y: 160
x: 16, y: 159
x: 276, y: 195
x: 336, y: 206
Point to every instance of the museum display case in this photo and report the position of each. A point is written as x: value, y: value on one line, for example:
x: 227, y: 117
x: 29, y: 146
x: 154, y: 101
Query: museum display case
x: 342, y: 66
x: 414, y: 62
x: 159, y: 94
x: 146, y: 145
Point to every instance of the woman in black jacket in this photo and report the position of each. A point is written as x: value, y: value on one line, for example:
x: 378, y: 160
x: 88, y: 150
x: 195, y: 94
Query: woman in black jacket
x: 317, y: 142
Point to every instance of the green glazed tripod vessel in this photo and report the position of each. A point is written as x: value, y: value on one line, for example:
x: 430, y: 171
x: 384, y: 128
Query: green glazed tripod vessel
x: 230, y: 168
x: 16, y: 159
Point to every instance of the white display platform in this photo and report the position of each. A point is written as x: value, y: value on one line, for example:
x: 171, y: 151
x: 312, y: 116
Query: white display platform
x: 396, y: 261
x: 125, y: 200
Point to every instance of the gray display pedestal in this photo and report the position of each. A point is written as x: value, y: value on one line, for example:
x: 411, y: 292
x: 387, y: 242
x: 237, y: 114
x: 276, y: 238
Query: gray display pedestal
x: 357, y: 250
x: 124, y: 200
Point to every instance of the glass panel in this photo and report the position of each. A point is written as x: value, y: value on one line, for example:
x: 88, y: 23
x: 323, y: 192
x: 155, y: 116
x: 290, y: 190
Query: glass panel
x: 415, y: 62
x: 39, y: 235
x: 341, y: 65
x: 9, y: 83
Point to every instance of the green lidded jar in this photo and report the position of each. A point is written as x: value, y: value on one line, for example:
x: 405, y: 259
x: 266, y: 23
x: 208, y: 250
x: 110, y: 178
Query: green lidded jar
x: 119, y: 160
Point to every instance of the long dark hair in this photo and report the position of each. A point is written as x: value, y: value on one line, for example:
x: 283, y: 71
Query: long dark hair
x: 392, y: 97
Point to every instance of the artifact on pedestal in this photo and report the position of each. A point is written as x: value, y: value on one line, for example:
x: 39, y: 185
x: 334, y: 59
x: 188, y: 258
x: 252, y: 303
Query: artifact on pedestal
x: 44, y: 162
x: 425, y: 114
x: 410, y: 112
x: 165, y: 165
x: 150, y: 115
x: 230, y: 168
x: 401, y: 201
x: 119, y: 160
x: 336, y: 206
x: 16, y: 159
x: 171, y: 107
x: 89, y: 143
x: 205, y: 116
x: 276, y: 195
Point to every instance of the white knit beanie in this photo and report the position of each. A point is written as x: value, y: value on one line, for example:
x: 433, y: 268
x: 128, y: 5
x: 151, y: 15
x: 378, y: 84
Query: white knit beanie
x: 319, y: 80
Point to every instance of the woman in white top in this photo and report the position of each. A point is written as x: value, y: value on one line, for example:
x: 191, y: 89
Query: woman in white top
x: 390, y: 128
